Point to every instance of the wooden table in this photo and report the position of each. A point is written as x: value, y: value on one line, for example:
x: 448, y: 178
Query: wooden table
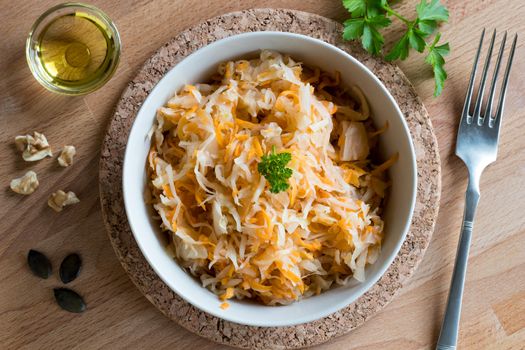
x: 119, y: 316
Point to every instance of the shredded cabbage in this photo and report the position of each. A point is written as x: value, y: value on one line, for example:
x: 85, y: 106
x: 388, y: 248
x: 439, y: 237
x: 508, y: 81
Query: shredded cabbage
x: 225, y: 226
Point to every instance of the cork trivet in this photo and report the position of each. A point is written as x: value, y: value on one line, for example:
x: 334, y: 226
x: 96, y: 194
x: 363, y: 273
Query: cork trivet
x: 216, y: 329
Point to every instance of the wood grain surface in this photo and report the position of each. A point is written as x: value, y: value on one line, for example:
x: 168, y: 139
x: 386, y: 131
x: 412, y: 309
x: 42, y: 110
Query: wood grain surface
x: 118, y: 316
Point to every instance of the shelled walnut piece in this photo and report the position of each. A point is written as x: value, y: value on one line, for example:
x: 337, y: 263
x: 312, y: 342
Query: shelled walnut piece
x: 26, y: 184
x: 59, y: 199
x: 33, y: 147
x: 66, y: 156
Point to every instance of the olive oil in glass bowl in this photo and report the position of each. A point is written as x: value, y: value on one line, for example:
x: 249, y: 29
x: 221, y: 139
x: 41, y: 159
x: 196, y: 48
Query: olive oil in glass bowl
x: 73, y: 49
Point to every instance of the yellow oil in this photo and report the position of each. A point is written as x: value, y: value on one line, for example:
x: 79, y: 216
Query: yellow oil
x: 74, y: 50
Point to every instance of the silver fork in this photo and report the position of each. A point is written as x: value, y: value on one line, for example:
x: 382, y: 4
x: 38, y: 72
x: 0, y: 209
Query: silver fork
x: 477, y: 146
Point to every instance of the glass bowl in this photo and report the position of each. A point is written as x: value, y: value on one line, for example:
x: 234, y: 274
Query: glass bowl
x: 73, y: 53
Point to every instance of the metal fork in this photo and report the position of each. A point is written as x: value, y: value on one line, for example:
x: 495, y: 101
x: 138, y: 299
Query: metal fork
x: 477, y: 146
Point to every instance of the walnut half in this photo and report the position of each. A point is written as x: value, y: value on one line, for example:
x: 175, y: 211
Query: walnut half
x: 26, y: 184
x: 66, y: 156
x: 60, y: 199
x: 33, y: 147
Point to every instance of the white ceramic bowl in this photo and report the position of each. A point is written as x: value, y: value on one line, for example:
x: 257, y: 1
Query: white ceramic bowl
x: 197, y: 68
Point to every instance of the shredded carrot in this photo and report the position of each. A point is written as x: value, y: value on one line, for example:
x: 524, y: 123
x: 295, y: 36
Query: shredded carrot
x: 228, y: 294
x: 245, y: 124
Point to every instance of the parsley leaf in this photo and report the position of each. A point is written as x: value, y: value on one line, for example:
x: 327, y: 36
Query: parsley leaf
x: 429, y: 15
x: 273, y: 168
x: 353, y: 29
x: 436, y: 60
x: 375, y: 7
x: 373, y: 40
x: 416, y: 39
x: 368, y: 17
x: 356, y: 7
x: 412, y: 38
x: 426, y: 27
x: 399, y: 50
x: 433, y: 11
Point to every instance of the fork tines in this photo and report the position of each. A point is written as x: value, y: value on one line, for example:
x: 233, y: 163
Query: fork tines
x: 479, y: 116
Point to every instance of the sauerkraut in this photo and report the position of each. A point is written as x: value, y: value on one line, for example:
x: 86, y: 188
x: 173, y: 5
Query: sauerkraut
x: 225, y: 226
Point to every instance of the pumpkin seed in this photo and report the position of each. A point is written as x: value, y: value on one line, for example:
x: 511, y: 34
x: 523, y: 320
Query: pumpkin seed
x: 39, y: 264
x: 69, y: 300
x: 70, y: 268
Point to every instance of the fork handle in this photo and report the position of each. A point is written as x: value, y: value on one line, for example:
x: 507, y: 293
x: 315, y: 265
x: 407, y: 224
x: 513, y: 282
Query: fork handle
x: 448, y: 337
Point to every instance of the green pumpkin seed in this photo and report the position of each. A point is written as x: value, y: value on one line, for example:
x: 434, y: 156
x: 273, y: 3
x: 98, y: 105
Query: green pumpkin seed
x: 70, y: 267
x: 39, y: 264
x: 69, y: 300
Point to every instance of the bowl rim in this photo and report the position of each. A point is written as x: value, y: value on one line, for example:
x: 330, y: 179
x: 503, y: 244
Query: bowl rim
x: 215, y: 311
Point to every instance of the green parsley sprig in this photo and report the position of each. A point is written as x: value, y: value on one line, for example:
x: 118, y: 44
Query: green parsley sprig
x: 368, y: 17
x: 273, y: 168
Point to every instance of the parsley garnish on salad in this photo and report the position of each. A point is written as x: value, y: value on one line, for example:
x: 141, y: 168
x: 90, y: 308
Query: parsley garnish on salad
x: 273, y: 168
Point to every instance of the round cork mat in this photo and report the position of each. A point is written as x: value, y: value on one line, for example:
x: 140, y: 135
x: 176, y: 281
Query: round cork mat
x: 216, y: 329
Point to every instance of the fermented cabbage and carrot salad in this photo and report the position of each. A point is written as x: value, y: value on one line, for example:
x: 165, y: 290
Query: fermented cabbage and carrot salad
x: 227, y: 225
